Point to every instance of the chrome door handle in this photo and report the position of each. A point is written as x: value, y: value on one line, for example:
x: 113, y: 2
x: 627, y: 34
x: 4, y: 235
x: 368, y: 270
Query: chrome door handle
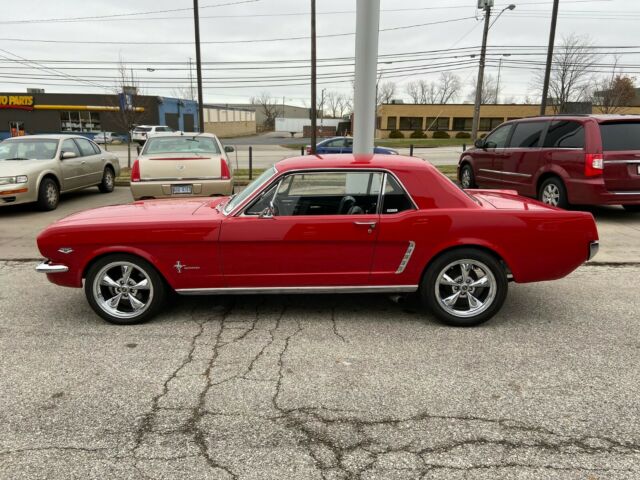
x: 366, y: 224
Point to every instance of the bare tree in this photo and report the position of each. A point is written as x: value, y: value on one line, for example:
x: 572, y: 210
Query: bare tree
x: 129, y: 111
x: 386, y: 92
x: 614, y: 92
x: 183, y: 92
x: 335, y: 103
x: 413, y: 90
x: 445, y: 90
x: 449, y: 86
x: 269, y: 107
x: 490, y: 91
x: 571, y: 77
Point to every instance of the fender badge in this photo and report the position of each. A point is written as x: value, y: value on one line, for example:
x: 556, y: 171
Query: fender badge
x: 179, y: 267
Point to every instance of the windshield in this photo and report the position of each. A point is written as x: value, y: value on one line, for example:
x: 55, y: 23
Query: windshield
x: 142, y: 129
x: 247, y: 192
x: 28, y: 149
x: 181, y: 144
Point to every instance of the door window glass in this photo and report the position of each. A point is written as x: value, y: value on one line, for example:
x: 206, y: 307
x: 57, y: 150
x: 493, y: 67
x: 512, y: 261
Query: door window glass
x: 527, y: 134
x: 395, y: 199
x: 85, y: 147
x: 329, y: 193
x: 565, y: 134
x: 70, y: 146
x: 338, y: 142
x: 498, y: 138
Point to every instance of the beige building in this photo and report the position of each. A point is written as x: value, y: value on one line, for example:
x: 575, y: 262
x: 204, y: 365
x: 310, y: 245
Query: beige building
x: 228, y: 122
x: 454, y: 118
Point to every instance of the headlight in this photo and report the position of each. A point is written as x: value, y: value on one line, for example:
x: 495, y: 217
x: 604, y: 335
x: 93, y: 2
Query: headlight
x: 12, y: 180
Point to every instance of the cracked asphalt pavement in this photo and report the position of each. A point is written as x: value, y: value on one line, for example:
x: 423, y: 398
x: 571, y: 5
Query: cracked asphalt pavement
x: 322, y: 387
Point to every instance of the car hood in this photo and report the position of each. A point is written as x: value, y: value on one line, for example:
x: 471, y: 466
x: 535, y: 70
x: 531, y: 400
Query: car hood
x: 144, y: 211
x: 11, y: 168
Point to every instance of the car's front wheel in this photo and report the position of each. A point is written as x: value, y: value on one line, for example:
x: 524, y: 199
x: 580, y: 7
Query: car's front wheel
x: 124, y: 289
x: 464, y: 287
x: 467, y: 178
x: 48, y: 195
x: 108, y: 181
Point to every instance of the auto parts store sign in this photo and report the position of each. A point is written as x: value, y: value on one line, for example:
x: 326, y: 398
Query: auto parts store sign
x: 19, y: 102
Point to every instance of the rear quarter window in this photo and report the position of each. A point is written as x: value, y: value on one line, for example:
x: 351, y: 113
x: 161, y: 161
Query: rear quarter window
x: 620, y: 136
x: 565, y: 134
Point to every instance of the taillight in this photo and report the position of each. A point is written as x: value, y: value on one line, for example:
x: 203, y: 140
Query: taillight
x: 225, y: 174
x: 135, y: 171
x: 593, y: 164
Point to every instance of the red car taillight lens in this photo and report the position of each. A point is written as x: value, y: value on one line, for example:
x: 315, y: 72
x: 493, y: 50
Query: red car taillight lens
x: 225, y: 174
x: 593, y: 164
x: 135, y: 171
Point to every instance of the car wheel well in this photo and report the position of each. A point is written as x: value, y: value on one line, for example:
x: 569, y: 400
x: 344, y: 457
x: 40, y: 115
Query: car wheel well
x: 97, y: 258
x: 52, y: 177
x: 546, y: 176
x: 464, y: 162
x: 480, y: 248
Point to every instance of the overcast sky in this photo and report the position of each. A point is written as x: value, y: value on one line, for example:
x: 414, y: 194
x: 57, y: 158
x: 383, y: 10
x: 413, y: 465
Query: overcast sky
x: 244, y: 26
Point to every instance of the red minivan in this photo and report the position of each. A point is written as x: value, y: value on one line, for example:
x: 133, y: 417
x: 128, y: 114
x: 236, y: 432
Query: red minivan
x: 561, y: 160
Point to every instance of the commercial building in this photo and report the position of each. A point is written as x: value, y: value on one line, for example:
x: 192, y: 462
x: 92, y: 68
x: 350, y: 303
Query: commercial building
x: 280, y: 110
x: 86, y: 114
x: 229, y: 121
x: 455, y: 118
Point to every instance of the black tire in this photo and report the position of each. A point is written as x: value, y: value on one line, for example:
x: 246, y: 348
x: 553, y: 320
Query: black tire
x: 467, y: 177
x: 108, y: 180
x: 48, y: 195
x: 553, y: 192
x: 124, y: 312
x: 492, y: 296
x: 632, y: 208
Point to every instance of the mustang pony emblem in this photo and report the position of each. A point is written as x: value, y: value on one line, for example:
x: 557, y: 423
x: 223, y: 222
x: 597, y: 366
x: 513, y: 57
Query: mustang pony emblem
x: 179, y: 267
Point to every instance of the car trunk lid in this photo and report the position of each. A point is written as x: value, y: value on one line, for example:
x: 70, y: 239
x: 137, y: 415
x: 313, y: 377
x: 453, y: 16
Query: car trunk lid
x: 621, y: 155
x: 506, y: 200
x: 178, y: 166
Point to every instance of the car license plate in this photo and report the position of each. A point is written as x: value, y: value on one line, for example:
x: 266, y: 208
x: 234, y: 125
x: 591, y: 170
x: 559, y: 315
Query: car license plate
x: 181, y: 189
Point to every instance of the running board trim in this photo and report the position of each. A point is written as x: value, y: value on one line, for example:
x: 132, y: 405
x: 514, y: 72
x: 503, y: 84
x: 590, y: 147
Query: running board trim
x: 298, y: 290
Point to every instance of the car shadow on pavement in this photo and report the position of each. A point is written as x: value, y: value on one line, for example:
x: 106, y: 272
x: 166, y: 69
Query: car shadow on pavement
x: 608, y: 212
x: 22, y: 208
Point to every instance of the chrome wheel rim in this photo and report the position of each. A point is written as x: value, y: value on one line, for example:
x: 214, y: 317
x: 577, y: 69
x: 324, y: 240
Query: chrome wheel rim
x: 52, y: 194
x: 466, y: 178
x: 123, y: 290
x: 551, y: 195
x: 465, y: 288
x: 108, y: 178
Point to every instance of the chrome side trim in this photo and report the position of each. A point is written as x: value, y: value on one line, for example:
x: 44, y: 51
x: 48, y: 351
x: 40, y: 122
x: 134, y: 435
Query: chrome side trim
x: 622, y: 161
x: 46, y: 267
x: 593, y: 249
x: 525, y: 175
x: 626, y: 193
x: 406, y: 257
x: 298, y: 290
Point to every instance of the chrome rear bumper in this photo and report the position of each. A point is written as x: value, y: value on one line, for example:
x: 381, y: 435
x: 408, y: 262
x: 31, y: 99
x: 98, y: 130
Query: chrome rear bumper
x: 593, y: 249
x: 46, y: 267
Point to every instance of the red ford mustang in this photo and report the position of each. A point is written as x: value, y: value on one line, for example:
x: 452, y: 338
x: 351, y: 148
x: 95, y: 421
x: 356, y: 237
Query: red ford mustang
x: 332, y: 224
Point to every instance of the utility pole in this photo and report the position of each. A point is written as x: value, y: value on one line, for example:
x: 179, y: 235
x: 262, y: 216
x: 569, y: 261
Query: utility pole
x: 547, y: 72
x: 483, y: 54
x: 196, y: 21
x: 364, y: 99
x: 322, y: 109
x: 314, y: 112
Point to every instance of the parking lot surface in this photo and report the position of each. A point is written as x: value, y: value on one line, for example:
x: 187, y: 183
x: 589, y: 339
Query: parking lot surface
x: 328, y: 387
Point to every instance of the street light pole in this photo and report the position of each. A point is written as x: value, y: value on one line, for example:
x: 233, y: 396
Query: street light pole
x: 314, y: 111
x: 547, y: 72
x: 196, y: 21
x: 483, y: 54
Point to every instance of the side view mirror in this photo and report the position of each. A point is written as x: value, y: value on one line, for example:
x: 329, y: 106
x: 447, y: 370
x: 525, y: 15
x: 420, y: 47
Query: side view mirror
x: 479, y: 143
x: 229, y: 149
x: 66, y: 155
x: 490, y: 144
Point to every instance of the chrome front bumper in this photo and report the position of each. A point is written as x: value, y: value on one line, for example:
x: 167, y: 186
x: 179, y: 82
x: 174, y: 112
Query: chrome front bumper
x: 593, y: 249
x: 46, y: 267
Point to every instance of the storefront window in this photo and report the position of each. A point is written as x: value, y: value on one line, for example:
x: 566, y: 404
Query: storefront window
x: 80, y: 121
x: 462, y: 124
x: 439, y: 123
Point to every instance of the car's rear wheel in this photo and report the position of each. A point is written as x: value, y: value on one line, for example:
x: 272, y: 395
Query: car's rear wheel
x: 464, y: 287
x: 467, y: 178
x: 632, y: 208
x: 48, y: 195
x: 124, y: 289
x: 553, y: 192
x: 108, y: 181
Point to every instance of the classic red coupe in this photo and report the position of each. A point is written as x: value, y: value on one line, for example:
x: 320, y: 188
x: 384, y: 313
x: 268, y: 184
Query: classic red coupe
x: 330, y: 224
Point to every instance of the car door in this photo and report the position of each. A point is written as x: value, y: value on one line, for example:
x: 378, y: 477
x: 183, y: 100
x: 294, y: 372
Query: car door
x: 485, y: 159
x: 92, y: 161
x: 331, y: 146
x: 322, y: 232
x: 522, y: 158
x: 72, y: 176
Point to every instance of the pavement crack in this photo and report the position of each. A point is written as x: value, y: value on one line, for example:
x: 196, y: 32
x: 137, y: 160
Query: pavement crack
x: 335, y: 325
